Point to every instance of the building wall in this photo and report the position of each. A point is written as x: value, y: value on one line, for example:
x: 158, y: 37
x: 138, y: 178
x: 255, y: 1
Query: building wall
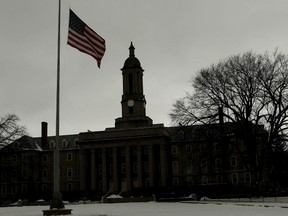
x: 129, y: 162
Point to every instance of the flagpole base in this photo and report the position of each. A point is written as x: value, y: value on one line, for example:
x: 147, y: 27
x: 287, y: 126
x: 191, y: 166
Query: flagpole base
x: 57, y: 202
x: 57, y: 212
x: 57, y: 206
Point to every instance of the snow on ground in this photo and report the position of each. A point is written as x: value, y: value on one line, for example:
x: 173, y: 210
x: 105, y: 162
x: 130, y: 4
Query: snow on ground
x: 203, y: 208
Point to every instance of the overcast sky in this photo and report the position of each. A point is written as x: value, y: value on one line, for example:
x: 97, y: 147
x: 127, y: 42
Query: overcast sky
x: 173, y: 40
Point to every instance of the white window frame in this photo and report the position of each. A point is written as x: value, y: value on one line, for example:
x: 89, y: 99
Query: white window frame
x: 233, y: 161
x: 247, y: 177
x: 69, y: 156
x: 234, y: 178
x: 204, y: 180
x: 174, y: 150
x: 175, y: 167
x: 123, y: 168
x: 70, y: 173
x: 65, y: 143
x: 52, y: 144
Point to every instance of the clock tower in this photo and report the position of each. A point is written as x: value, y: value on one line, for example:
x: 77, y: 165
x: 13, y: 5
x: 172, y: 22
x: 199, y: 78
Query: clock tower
x: 133, y: 101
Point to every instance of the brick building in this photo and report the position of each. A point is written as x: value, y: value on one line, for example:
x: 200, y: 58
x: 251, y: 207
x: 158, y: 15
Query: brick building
x: 135, y: 157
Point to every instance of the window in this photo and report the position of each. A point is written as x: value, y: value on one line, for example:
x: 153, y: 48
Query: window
x: 69, y: 156
x: 217, y: 163
x: 234, y: 178
x: 131, y: 110
x: 175, y: 167
x: 100, y: 169
x: 45, y: 173
x: 111, y: 168
x: 14, y: 189
x: 135, y: 167
x: 24, y: 157
x: 44, y: 188
x: 123, y: 168
x: 23, y: 188
x: 216, y: 147
x: 134, y: 151
x: 3, y: 175
x: 76, y: 142
x: 24, y: 174
x: 146, y: 150
x: 203, y: 147
x: 189, y: 148
x: 14, y: 175
x: 147, y: 182
x: 219, y: 179
x: 69, y: 187
x: 14, y: 158
x: 99, y: 153
x: 204, y: 164
x: 52, y: 144
x: 174, y: 150
x: 188, y: 164
x: 3, y: 189
x: 247, y: 177
x: 65, y: 143
x: 146, y: 167
x: 123, y: 152
x: 44, y: 158
x: 135, y: 182
x: 176, y: 181
x: 69, y: 173
x: 130, y: 80
x: 204, y: 180
x: 233, y: 161
x: 190, y: 181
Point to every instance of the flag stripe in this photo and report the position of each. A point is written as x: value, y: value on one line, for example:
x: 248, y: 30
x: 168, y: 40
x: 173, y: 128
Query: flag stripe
x: 95, y: 43
x: 97, y: 39
x: 83, y: 38
x: 81, y: 42
x: 75, y: 43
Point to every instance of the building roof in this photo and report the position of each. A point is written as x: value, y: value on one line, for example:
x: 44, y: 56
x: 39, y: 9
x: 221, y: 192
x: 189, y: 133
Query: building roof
x: 25, y: 143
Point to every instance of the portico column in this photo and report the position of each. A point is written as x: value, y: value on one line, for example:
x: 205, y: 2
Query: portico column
x: 93, y: 170
x: 115, y: 170
x: 104, y: 171
x: 128, y: 168
x: 82, y: 171
x: 139, y: 166
x: 163, y: 165
x: 151, y: 165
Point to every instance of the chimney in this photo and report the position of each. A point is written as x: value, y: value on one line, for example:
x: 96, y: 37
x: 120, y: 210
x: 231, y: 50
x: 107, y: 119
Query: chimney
x: 44, y: 126
x: 221, y: 116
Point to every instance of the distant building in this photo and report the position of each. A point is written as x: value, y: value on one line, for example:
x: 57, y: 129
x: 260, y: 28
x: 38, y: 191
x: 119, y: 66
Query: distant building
x: 136, y: 157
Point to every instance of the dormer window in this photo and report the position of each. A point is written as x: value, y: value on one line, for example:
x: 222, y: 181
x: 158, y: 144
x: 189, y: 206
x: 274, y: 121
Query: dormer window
x: 65, y: 143
x: 52, y: 144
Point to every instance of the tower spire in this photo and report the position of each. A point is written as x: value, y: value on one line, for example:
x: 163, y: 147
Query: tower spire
x: 132, y: 50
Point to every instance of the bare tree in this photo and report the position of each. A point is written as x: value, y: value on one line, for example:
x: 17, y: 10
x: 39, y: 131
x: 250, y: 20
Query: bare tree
x: 252, y: 89
x: 10, y: 130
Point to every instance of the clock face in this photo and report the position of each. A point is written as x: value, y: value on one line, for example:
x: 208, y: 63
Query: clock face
x: 130, y: 103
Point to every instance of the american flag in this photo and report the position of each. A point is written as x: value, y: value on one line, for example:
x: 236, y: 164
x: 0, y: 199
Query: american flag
x: 83, y: 38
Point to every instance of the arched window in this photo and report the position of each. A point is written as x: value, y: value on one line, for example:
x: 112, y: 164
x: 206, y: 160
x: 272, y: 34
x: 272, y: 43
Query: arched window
x: 65, y: 143
x: 130, y: 81
x: 52, y: 144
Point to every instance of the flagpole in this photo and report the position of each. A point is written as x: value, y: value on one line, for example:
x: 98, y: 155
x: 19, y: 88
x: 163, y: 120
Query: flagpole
x: 57, y: 202
x: 56, y: 161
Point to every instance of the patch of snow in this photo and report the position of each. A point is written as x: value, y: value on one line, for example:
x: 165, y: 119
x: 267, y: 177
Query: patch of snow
x: 114, y: 196
x: 158, y: 209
